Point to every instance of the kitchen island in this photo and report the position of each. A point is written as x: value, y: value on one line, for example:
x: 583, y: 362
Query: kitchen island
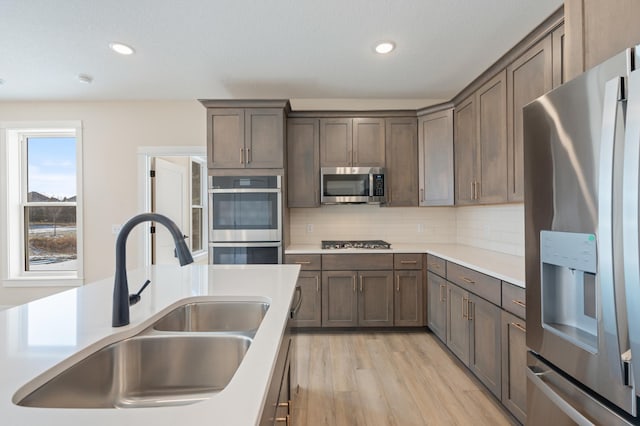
x: 42, y: 338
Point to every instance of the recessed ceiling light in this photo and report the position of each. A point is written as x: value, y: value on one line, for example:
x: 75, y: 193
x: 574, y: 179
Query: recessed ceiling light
x: 122, y: 49
x: 85, y: 78
x: 385, y: 47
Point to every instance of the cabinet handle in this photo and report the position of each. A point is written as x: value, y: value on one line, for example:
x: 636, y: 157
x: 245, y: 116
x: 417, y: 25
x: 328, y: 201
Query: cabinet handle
x: 409, y: 262
x: 465, y: 305
x: 398, y: 283
x: 248, y: 155
x: 468, y: 280
x: 469, y: 309
x: 350, y: 157
x: 421, y: 195
x: 519, y: 326
x: 442, y: 299
x: 354, y: 284
x: 284, y: 420
x: 477, y: 190
x: 473, y: 190
x: 317, y: 284
x: 241, y: 155
x: 303, y: 262
x: 361, y: 284
x: 519, y: 303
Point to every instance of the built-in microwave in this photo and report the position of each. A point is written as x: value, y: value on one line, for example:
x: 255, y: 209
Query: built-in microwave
x: 352, y: 185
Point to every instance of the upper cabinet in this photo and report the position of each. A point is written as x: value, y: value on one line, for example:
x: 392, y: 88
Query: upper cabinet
x: 435, y: 156
x: 402, y: 164
x: 352, y: 142
x: 466, y: 147
x: 528, y: 77
x: 303, y: 163
x: 245, y: 138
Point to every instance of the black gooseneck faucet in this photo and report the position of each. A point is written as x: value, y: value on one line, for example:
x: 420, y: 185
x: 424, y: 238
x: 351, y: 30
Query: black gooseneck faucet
x: 120, y: 285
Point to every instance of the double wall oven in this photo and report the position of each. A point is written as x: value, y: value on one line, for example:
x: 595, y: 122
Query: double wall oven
x: 245, y: 219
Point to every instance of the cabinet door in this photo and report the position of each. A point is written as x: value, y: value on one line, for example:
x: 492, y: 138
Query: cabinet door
x: 514, y: 364
x: 491, y: 112
x: 408, y: 300
x: 303, y: 163
x: 336, y: 142
x: 528, y: 77
x: 368, y: 142
x: 264, y: 139
x: 458, y: 322
x: 484, y: 343
x: 401, y: 162
x: 225, y: 138
x: 436, y: 159
x: 466, y: 145
x: 437, y: 310
x: 309, y: 313
x: 339, y: 299
x: 375, y: 298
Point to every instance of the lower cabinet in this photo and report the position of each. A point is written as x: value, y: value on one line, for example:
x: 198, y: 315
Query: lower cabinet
x: 514, y: 364
x: 279, y: 400
x: 308, y: 313
x: 408, y: 306
x: 351, y: 299
x: 473, y: 335
x: 437, y: 305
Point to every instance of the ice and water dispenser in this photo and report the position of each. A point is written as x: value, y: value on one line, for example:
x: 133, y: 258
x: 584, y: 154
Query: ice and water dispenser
x: 568, y: 283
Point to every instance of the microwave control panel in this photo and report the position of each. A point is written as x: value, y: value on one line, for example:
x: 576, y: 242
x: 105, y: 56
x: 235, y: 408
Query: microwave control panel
x: 378, y: 185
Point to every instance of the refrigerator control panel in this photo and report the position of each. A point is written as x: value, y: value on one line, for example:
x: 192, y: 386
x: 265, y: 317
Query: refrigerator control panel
x: 569, y: 249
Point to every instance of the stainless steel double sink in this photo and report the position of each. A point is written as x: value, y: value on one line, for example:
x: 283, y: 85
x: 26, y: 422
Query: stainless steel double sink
x: 186, y: 356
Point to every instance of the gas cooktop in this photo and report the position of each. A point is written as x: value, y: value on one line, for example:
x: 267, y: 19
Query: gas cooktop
x: 361, y: 244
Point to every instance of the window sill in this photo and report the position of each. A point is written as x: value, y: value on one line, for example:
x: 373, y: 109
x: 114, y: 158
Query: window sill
x: 43, y: 282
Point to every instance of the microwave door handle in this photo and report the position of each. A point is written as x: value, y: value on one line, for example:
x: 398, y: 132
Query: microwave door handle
x: 370, y: 185
x: 605, y: 228
x: 630, y: 227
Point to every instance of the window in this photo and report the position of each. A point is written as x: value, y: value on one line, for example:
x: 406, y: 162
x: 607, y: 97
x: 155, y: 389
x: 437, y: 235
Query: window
x: 43, y: 217
x: 197, y: 205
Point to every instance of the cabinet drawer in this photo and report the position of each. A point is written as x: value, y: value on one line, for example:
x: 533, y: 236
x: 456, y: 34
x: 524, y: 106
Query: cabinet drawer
x: 309, y: 262
x: 351, y: 262
x: 480, y: 284
x: 407, y: 261
x: 513, y: 299
x: 436, y: 265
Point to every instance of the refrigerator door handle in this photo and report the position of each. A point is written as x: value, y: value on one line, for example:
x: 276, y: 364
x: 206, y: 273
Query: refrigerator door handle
x: 605, y: 228
x: 630, y: 227
x: 537, y: 379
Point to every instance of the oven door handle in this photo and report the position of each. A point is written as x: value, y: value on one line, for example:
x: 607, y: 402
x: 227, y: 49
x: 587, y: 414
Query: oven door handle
x: 246, y: 244
x: 244, y: 191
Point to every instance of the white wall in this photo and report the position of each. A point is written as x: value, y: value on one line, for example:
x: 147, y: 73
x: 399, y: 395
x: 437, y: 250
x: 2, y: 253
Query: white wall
x: 498, y: 227
x: 112, y: 133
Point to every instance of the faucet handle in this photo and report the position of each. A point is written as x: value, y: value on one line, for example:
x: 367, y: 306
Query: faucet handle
x: 135, y: 298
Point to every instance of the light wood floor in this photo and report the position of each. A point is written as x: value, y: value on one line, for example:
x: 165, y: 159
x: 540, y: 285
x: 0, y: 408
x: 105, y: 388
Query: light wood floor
x: 396, y: 378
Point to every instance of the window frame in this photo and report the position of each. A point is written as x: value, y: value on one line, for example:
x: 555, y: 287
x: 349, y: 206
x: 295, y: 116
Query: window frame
x: 14, y: 189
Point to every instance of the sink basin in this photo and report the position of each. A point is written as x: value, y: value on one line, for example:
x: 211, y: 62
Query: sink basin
x: 145, y: 371
x: 214, y: 316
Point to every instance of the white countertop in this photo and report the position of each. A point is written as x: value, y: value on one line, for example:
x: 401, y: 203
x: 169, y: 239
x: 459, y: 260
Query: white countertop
x: 46, y: 336
x: 503, y: 266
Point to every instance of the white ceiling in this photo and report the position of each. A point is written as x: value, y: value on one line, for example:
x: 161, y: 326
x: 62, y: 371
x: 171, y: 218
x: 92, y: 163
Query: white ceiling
x: 311, y: 51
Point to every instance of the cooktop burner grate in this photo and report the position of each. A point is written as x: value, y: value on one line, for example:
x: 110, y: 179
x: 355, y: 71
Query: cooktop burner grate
x: 362, y: 244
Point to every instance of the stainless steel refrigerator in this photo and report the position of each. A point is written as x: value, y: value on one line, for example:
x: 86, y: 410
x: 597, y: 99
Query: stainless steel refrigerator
x: 582, y: 156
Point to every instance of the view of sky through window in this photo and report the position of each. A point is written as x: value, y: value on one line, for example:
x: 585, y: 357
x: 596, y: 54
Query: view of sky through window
x: 52, y: 166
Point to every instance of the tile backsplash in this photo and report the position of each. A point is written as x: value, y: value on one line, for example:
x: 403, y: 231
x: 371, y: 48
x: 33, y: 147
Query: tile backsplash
x: 498, y: 227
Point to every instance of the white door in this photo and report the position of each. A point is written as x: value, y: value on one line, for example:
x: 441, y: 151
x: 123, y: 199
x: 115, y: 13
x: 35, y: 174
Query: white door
x: 170, y: 190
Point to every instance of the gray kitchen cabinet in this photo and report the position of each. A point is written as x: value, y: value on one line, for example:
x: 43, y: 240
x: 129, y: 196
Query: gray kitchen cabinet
x: 435, y: 156
x: 481, y: 144
x: 339, y: 299
x: 528, y: 77
x: 484, y: 343
x: 401, y: 146
x: 458, y: 322
x: 309, y: 312
x: 514, y: 364
x: 240, y: 138
x: 437, y: 305
x: 303, y: 162
x: 466, y: 146
x: 375, y: 300
x: 408, y: 301
x: 352, y: 142
x: 558, y: 48
x: 280, y: 394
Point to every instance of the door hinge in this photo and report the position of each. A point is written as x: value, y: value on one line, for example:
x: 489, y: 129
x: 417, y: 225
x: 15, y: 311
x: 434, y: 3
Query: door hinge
x: 153, y: 229
x: 152, y: 173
